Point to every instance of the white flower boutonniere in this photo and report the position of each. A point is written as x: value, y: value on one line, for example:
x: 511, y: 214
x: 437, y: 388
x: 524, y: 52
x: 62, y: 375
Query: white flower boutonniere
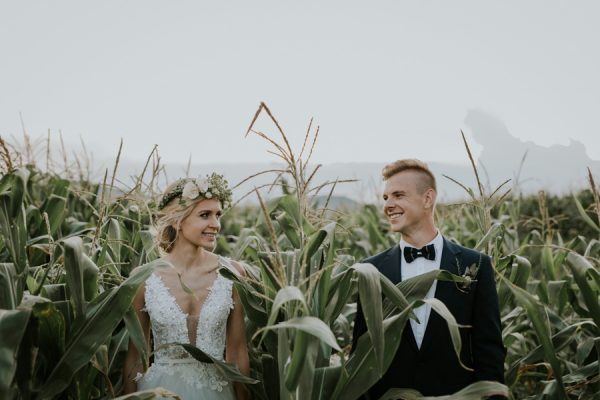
x: 470, y: 275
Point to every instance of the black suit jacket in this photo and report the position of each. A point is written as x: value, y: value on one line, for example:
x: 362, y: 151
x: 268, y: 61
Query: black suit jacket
x: 434, y: 369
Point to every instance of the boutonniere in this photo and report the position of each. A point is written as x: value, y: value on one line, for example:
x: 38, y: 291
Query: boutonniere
x: 469, y: 275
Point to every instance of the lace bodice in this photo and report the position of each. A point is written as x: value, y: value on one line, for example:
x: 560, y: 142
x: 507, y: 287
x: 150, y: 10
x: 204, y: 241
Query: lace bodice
x: 170, y: 325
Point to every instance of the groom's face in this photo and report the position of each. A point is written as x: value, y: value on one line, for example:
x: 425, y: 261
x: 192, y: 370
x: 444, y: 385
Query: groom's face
x: 406, y: 204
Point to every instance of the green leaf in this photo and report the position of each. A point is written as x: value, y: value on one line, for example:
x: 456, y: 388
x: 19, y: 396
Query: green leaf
x: 158, y: 393
x: 522, y: 272
x: 341, y: 288
x: 294, y: 369
x: 113, y: 239
x: 557, y: 293
x: 289, y: 229
x: 361, y: 371
x: 13, y: 229
x: 136, y: 335
x: 453, y: 326
x: 369, y: 290
x: 475, y: 391
x: 73, y: 249
x: 417, y: 287
x: 307, y: 375
x: 581, y: 269
x: 12, y: 328
x: 55, y: 208
x: 20, y: 177
x: 9, y: 298
x: 560, y: 340
x: 100, y: 359
x: 584, y: 215
x: 539, y: 319
x: 548, y: 263
x: 229, y: 371
x: 317, y: 239
x: 98, y: 323
x: 118, y: 344
x: 285, y: 295
x: 583, y: 373
x: 325, y: 381
x: 149, y: 246
x: 289, y: 204
x: 495, y: 230
x: 251, y: 301
x: 283, y: 356
x: 323, y: 294
x: 311, y: 325
x: 51, y: 331
x: 393, y: 294
x: 90, y: 278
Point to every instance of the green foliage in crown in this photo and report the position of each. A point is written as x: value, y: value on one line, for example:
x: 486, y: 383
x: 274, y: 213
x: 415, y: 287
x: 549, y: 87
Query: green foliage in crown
x: 212, y: 186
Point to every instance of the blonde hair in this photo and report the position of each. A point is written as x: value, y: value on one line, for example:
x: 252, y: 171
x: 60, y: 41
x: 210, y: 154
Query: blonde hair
x: 411, y: 164
x: 170, y: 218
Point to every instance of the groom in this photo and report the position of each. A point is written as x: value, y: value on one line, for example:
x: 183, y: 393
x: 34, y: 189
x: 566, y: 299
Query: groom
x: 426, y: 360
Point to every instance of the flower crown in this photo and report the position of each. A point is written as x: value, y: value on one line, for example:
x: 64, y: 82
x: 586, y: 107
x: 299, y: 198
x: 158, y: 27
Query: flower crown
x: 213, y: 186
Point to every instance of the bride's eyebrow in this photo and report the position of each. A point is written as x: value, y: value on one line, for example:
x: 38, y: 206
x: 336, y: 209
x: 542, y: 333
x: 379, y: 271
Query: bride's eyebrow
x: 208, y: 211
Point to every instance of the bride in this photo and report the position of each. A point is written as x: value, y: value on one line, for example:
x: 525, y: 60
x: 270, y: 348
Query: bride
x: 189, y: 301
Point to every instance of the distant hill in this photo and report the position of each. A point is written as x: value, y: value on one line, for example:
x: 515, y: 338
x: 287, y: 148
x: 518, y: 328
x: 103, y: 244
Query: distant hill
x: 366, y: 189
x: 556, y: 169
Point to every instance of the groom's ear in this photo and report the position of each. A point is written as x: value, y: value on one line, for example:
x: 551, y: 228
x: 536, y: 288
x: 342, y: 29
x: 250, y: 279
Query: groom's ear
x: 429, y: 198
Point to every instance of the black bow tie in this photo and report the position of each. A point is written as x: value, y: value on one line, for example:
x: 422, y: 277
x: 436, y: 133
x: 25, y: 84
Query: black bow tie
x: 428, y: 252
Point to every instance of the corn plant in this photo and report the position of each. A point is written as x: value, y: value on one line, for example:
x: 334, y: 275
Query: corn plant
x: 65, y: 307
x: 299, y: 293
x: 548, y: 293
x: 67, y: 246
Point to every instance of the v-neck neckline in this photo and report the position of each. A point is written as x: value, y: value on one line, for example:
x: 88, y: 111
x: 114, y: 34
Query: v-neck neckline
x: 178, y: 306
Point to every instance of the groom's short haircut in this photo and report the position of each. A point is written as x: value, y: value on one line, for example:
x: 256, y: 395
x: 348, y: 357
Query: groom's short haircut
x: 411, y: 164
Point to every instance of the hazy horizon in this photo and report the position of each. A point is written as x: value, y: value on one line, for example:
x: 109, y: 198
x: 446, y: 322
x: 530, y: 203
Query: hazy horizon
x: 384, y: 81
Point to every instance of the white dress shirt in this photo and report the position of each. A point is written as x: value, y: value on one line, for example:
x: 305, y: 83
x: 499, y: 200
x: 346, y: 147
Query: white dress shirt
x: 420, y: 266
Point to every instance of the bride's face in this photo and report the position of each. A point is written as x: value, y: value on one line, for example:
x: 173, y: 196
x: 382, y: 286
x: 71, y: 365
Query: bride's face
x: 201, y: 227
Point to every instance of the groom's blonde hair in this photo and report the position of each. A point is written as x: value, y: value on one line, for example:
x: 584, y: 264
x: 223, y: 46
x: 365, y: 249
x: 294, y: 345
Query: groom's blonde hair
x: 411, y: 164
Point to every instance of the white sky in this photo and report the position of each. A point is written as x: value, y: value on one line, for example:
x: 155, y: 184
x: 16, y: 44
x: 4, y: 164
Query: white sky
x: 384, y: 80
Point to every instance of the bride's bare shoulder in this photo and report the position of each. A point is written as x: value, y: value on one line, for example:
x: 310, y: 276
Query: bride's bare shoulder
x: 156, y: 266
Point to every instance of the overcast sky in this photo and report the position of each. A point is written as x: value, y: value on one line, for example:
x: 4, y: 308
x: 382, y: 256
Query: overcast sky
x: 383, y: 79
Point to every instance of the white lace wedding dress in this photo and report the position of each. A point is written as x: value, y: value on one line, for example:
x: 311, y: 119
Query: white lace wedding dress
x: 174, y: 368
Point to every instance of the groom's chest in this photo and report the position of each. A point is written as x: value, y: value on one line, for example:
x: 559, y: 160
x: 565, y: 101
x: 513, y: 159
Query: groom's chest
x: 458, y: 299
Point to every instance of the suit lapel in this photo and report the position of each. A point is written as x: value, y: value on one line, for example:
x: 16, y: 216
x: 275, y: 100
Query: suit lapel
x: 443, y: 292
x: 390, y: 266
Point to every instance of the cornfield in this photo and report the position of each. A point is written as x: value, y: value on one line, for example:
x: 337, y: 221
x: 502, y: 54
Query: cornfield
x: 67, y: 246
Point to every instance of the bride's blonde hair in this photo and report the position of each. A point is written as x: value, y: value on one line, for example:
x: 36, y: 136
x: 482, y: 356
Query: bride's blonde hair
x: 171, y: 216
x: 179, y: 199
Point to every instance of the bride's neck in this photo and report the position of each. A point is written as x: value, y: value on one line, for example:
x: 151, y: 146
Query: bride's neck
x: 184, y: 259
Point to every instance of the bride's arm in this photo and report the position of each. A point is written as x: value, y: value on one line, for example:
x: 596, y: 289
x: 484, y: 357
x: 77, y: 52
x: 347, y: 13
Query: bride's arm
x: 236, y: 350
x: 133, y: 364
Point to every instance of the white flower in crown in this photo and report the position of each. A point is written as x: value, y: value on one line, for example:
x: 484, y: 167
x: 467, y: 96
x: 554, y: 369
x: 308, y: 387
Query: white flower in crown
x: 208, y: 195
x: 203, y: 184
x: 190, y: 191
